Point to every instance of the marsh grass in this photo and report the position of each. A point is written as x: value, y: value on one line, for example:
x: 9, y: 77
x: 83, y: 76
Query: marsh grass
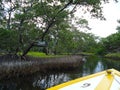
x: 36, y: 64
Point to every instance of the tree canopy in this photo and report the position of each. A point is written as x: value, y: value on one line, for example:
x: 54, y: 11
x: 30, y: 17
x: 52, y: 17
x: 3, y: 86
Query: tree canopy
x: 25, y: 22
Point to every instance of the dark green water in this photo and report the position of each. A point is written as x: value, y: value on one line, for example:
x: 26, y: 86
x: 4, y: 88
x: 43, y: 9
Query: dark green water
x: 40, y: 81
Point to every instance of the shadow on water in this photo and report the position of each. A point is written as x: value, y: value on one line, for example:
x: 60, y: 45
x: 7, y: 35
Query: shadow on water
x: 41, y: 81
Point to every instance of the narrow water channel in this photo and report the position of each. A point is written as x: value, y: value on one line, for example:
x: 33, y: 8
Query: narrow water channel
x: 40, y: 81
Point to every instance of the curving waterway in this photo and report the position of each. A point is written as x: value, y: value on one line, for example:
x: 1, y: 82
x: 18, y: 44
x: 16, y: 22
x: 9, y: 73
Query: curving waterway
x: 41, y: 81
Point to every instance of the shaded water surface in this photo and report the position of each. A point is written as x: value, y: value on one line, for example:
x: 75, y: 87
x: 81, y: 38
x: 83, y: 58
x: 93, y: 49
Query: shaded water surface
x: 41, y: 81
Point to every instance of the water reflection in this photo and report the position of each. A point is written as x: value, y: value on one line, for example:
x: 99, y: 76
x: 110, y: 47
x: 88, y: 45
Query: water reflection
x: 40, y: 81
x: 50, y: 80
x: 108, y: 63
x: 10, y: 86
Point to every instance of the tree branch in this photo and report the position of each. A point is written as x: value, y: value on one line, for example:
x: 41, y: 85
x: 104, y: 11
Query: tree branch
x: 47, y: 28
x: 53, y: 19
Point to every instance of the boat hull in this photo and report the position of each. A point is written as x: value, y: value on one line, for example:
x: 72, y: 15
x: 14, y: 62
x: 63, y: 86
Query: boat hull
x: 105, y: 80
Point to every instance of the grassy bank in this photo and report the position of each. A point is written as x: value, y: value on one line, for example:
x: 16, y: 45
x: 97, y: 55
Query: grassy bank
x: 87, y: 54
x: 10, y: 68
x: 113, y: 56
x: 42, y: 55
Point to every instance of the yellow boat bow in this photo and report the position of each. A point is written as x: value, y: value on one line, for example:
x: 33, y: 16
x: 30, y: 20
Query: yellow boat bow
x: 105, y: 80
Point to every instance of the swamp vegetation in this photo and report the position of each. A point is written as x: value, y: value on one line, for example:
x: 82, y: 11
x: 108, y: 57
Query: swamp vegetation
x: 25, y: 27
x: 12, y: 68
x: 39, y: 36
x: 46, y: 26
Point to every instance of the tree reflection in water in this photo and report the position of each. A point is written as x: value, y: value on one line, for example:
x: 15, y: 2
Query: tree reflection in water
x: 41, y: 81
x: 50, y: 80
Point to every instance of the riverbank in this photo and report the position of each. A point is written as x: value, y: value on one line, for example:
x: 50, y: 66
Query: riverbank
x: 115, y: 56
x: 12, y: 67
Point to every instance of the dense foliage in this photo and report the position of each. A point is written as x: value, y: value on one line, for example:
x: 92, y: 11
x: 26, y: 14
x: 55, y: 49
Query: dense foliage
x: 111, y: 44
x: 23, y: 23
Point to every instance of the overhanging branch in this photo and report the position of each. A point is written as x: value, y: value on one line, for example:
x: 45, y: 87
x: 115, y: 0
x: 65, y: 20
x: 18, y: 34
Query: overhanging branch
x: 53, y: 19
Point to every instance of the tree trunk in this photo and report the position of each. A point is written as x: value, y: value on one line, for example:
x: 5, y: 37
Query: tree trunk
x: 46, y: 30
x: 28, y: 49
x: 9, y: 20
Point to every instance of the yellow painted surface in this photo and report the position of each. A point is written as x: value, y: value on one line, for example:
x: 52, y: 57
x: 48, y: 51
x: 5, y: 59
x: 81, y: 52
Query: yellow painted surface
x: 116, y: 72
x: 75, y: 81
x: 103, y: 85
